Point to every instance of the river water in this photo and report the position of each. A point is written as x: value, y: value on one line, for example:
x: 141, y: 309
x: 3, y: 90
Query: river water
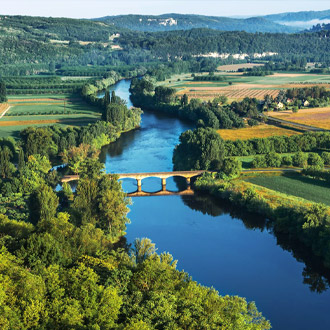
x: 216, y: 244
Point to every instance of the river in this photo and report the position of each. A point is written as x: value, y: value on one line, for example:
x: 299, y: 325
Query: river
x: 217, y: 245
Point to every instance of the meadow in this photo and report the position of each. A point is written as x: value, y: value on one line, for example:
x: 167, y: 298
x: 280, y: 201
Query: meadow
x: 296, y: 185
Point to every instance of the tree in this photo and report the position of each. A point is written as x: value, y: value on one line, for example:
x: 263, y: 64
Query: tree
x: 3, y: 92
x: 143, y: 249
x: 184, y: 100
x: 164, y: 94
x: 197, y: 149
x: 38, y: 141
x: 231, y: 168
x: 6, y: 167
x: 43, y: 204
x: 21, y: 160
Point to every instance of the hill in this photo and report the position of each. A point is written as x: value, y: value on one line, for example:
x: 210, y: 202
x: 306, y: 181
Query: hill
x: 170, y: 22
x: 303, y: 19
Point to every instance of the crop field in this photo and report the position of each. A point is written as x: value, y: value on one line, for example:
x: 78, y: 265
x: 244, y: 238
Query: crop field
x: 299, y: 186
x: 45, y: 110
x: 236, y: 86
x: 3, y: 108
x: 235, y: 67
x: 260, y: 131
x: 318, y: 117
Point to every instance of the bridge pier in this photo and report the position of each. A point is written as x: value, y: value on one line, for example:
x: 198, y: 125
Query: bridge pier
x: 163, y: 184
x: 139, y: 184
x: 188, y: 181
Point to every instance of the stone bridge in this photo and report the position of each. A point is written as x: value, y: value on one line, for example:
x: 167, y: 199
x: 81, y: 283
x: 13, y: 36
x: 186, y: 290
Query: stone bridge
x: 161, y: 175
x: 140, y: 176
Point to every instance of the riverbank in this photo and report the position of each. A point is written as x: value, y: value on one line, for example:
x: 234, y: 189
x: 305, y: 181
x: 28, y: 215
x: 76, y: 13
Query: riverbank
x: 300, y: 219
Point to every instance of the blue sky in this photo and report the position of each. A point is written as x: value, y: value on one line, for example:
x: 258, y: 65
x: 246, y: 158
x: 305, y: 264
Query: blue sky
x: 98, y: 8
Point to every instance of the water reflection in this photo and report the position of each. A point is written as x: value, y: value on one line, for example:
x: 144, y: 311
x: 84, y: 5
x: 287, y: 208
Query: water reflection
x: 314, y: 274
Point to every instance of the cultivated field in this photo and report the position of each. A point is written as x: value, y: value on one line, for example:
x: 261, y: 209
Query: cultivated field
x: 318, y: 117
x: 260, y: 131
x: 310, y: 189
x: 236, y: 86
x: 235, y: 67
x: 45, y: 110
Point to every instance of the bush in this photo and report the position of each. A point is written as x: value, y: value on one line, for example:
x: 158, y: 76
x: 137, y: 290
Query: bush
x: 231, y: 168
x: 315, y: 160
x: 259, y: 161
x: 273, y: 159
x: 326, y: 157
x: 287, y: 160
x: 253, y: 122
x: 300, y: 159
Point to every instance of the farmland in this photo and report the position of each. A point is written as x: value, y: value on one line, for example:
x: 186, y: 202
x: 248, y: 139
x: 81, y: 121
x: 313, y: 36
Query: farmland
x: 318, y: 117
x: 296, y: 185
x: 236, y: 86
x: 260, y: 131
x: 235, y: 67
x: 39, y: 110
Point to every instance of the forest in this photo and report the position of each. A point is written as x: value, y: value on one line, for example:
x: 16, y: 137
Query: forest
x: 48, y: 46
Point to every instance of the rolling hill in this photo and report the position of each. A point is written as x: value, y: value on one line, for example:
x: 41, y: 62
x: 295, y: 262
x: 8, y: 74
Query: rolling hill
x: 170, y: 22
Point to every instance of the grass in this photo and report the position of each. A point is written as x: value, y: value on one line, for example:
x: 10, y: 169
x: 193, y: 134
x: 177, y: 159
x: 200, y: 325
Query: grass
x: 296, y: 185
x: 260, y: 131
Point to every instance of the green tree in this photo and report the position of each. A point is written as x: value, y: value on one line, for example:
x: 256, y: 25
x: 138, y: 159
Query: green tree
x: 3, y: 92
x: 6, y: 167
x: 21, y: 160
x: 198, y: 149
x: 231, y: 168
x: 43, y: 204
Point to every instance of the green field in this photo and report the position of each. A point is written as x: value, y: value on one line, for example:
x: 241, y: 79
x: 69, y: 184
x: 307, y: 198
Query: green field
x: 235, y: 79
x: 41, y: 110
x: 296, y: 185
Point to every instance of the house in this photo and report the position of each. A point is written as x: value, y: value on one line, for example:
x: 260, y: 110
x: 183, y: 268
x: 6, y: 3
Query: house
x: 306, y: 103
x: 289, y: 101
x: 280, y: 105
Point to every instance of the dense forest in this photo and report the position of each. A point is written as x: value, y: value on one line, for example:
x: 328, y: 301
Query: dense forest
x: 32, y: 45
x: 314, y: 47
x: 168, y: 22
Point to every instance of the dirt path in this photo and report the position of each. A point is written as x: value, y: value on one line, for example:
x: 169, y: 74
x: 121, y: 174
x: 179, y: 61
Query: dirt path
x: 5, y: 111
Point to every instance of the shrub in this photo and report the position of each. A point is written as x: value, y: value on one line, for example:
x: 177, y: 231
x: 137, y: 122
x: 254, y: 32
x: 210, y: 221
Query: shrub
x: 300, y: 159
x: 315, y: 160
x: 258, y: 162
x: 287, y: 160
x: 253, y: 122
x: 326, y: 157
x: 273, y: 159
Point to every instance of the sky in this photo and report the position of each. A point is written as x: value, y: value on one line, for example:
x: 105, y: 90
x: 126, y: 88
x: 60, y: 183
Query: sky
x: 99, y: 8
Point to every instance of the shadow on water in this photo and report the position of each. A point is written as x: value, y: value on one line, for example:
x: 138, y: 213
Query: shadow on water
x: 314, y: 274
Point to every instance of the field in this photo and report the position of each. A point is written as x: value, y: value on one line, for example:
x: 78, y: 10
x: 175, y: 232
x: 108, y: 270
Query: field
x: 42, y: 110
x: 299, y: 186
x: 236, y: 86
x: 318, y: 117
x: 235, y: 67
x: 259, y: 131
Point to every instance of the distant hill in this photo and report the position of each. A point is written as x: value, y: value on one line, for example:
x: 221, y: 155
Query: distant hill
x: 170, y: 22
x: 298, y: 16
x: 319, y: 28
x: 303, y: 19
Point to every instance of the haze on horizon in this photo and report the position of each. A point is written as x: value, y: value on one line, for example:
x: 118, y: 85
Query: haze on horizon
x: 100, y: 8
